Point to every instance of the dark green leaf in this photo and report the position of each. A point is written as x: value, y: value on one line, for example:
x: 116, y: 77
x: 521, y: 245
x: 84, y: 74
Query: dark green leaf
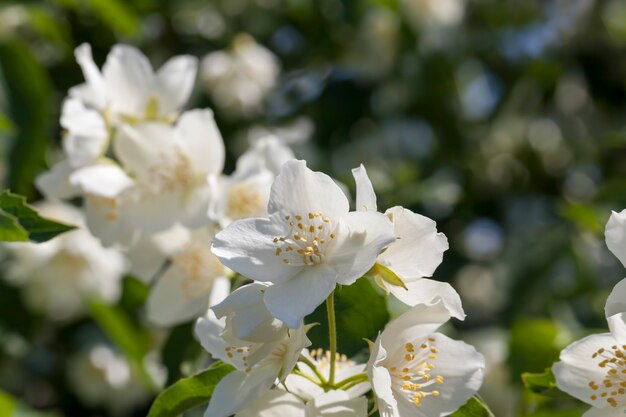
x: 179, y: 347
x: 541, y: 383
x: 26, y: 223
x: 189, y: 392
x: 361, y: 312
x: 117, y: 15
x: 475, y: 407
x: 534, y: 345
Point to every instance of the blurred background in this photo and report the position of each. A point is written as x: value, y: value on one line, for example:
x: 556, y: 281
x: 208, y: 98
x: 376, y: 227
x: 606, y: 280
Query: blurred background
x: 501, y: 120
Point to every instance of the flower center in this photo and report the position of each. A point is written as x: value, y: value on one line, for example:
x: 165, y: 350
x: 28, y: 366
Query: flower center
x: 306, y: 241
x: 244, y: 202
x: 109, y: 207
x: 321, y: 359
x: 413, y: 376
x: 172, y: 173
x: 239, y: 354
x: 613, y: 387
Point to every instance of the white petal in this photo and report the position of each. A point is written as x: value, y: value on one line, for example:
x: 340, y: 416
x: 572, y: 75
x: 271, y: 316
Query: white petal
x: 174, y: 83
x: 298, y: 191
x: 104, y: 221
x: 381, y: 381
x: 129, y: 80
x: 220, y: 290
x: 616, y: 302
x: 150, y: 212
x: 291, y: 301
x: 238, y: 390
x: 266, y: 153
x: 246, y: 246
x: 249, y: 318
x: 365, y: 195
x: 147, y: 151
x: 172, y: 302
x: 195, y: 208
x: 336, y: 403
x: 87, y: 137
x: 605, y: 412
x: 208, y: 330
x: 202, y: 141
x: 55, y: 183
x: 95, y: 80
x: 104, y: 180
x: 418, y: 250
x: 615, y: 235
x: 275, y: 403
x: 418, y: 322
x: 578, y: 367
x: 462, y: 369
x: 360, y: 238
x: 428, y: 291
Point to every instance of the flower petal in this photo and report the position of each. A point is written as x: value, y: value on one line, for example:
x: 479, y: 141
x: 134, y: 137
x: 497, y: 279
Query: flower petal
x: 55, y: 183
x: 578, y: 368
x: 151, y: 212
x: 365, y: 195
x: 238, y: 390
x: 97, y: 96
x: 428, y: 291
x: 246, y: 246
x: 174, y: 83
x: 298, y: 191
x: 615, y: 235
x: 275, y: 403
x: 337, y: 403
x: 605, y: 412
x: 616, y: 302
x: 87, y: 136
x: 292, y: 300
x: 106, y: 180
x: 419, y: 249
x: 361, y: 236
x: 462, y: 369
x: 208, y: 330
x: 129, y: 80
x: 381, y: 381
x: 201, y: 140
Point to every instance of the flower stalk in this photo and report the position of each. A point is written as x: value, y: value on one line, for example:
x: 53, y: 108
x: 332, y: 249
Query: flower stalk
x: 332, y: 335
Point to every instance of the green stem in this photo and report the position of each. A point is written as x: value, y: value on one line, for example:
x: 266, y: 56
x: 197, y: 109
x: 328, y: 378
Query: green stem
x: 309, y: 377
x: 358, y: 378
x: 313, y: 368
x: 332, y: 335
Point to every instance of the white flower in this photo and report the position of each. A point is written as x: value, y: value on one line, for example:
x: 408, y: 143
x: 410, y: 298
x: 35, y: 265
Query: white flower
x: 239, y: 79
x: 336, y: 403
x: 416, y: 253
x: 101, y: 377
x: 593, y: 368
x: 59, y: 275
x: 258, y: 365
x: 169, y: 166
x: 344, y: 368
x: 417, y: 372
x: 309, y: 244
x: 194, y: 279
x: 128, y: 89
x: 267, y: 152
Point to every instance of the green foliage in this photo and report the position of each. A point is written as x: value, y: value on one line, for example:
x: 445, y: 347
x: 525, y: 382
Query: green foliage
x: 117, y: 15
x: 540, y: 383
x: 533, y: 345
x: 11, y: 407
x: 179, y: 347
x: 361, y: 313
x: 19, y: 222
x: 29, y: 100
x: 189, y: 392
x: 475, y: 407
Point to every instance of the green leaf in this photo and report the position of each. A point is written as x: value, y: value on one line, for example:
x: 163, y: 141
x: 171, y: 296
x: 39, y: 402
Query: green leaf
x: 7, y: 404
x: 189, y: 392
x: 360, y: 311
x: 475, y: 407
x: 117, y: 15
x: 534, y: 345
x: 11, y: 407
x: 29, y: 107
x: 541, y: 383
x: 21, y: 222
x: 133, y: 342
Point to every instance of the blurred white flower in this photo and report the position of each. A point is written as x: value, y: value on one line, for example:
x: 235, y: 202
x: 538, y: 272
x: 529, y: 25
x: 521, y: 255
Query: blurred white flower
x: 239, y: 79
x: 415, y: 371
x: 433, y: 13
x: 101, y: 377
x: 58, y: 276
x: 258, y: 365
x: 416, y: 253
x: 193, y: 280
x: 309, y: 244
x: 277, y: 403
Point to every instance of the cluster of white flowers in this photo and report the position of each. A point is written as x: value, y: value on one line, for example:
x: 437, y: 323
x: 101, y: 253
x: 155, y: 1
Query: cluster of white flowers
x: 309, y: 243
x: 150, y: 180
x: 593, y: 369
